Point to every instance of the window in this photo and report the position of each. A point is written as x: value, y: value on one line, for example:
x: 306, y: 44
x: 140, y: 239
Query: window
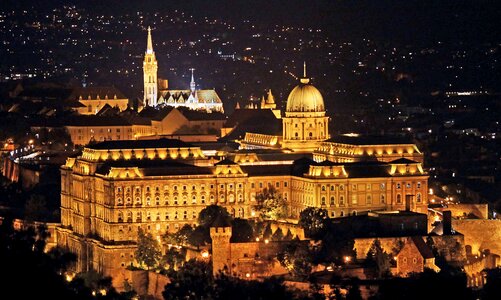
x: 381, y: 198
x: 157, y: 200
x: 418, y: 185
x: 202, y: 198
x: 285, y: 183
x: 333, y: 200
x: 418, y: 197
x: 120, y: 201
x: 323, y: 201
x: 341, y: 200
x: 148, y: 201
x: 323, y: 188
x: 332, y: 188
x: 399, y: 198
x: 185, y: 215
x: 128, y: 201
x: 166, y: 216
x: 382, y: 186
x: 333, y: 214
x: 277, y: 184
x: 354, y: 187
x: 368, y: 186
x: 341, y: 187
x: 139, y: 217
x: 369, y: 199
x: 194, y: 199
x: 341, y: 213
x: 252, y: 185
x: 414, y: 260
x: 260, y: 185
x: 398, y: 185
x: 120, y: 216
x: 409, y: 185
x: 148, y: 216
x: 354, y: 199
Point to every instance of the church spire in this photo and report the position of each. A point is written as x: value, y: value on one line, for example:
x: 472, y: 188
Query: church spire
x: 149, y: 47
x: 150, y: 68
x: 192, y: 83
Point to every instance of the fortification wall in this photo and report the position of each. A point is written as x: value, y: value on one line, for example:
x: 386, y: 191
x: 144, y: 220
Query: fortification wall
x: 480, y: 234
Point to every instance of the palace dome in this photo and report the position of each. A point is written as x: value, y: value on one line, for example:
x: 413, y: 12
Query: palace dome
x: 305, y: 98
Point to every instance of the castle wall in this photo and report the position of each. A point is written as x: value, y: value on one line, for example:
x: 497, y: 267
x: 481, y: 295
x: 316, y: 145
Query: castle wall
x: 480, y: 234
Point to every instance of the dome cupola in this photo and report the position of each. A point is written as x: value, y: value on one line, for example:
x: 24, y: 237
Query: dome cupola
x: 305, y: 97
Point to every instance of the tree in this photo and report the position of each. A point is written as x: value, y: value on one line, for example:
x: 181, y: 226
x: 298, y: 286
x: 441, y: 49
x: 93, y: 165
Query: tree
x: 35, y: 209
x: 267, y: 233
x: 354, y: 292
x: 336, y: 243
x: 492, y: 287
x: 379, y: 259
x: 278, y: 235
x: 296, y: 258
x: 313, y: 220
x: 148, y: 250
x: 270, y: 204
x: 211, y: 213
x: 174, y: 258
x: 242, y: 231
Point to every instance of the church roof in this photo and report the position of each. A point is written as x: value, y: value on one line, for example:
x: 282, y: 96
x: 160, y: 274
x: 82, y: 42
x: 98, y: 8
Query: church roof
x: 422, y: 247
x: 95, y: 92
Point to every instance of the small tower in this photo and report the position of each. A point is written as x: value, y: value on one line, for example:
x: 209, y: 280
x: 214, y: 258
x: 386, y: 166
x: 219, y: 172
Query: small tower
x: 221, y: 248
x: 150, y: 68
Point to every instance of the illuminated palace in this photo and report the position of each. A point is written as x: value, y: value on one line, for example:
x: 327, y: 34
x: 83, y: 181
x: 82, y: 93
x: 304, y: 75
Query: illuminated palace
x: 156, y: 91
x: 115, y: 187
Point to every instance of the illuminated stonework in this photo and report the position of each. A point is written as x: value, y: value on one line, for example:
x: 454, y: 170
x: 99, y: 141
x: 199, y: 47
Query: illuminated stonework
x: 150, y: 68
x: 305, y: 124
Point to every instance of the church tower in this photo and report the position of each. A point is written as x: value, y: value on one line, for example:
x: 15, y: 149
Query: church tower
x: 150, y: 67
x: 305, y: 125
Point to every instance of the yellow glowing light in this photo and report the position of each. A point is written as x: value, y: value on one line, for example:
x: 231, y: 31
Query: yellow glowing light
x: 266, y: 241
x: 205, y: 254
x: 247, y: 275
x: 347, y: 259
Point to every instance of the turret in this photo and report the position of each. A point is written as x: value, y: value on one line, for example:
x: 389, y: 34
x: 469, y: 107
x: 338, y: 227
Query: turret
x: 221, y: 249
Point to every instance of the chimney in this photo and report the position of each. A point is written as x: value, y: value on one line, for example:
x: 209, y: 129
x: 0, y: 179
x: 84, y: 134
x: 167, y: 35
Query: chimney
x: 447, y: 222
x: 408, y: 200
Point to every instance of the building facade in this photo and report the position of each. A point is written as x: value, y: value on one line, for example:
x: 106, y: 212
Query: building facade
x: 115, y: 187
